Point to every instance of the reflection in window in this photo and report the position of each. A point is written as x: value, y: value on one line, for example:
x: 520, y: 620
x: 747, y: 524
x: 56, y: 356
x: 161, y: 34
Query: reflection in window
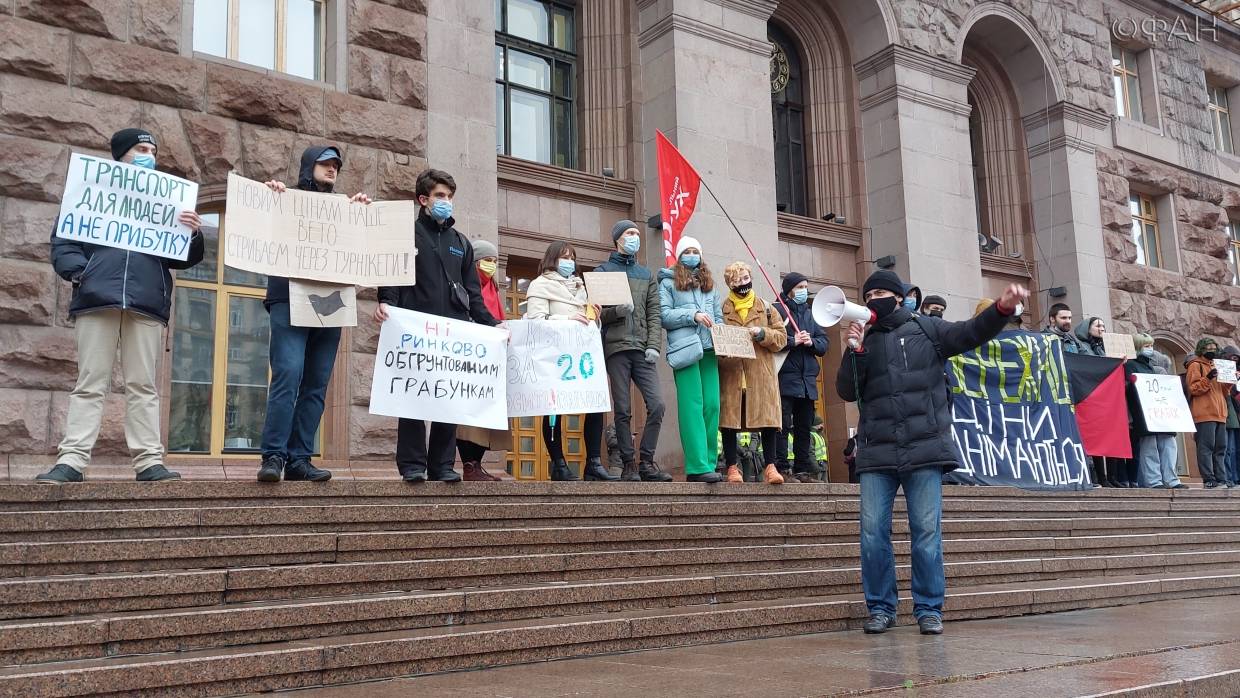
x: 534, y: 81
x: 1220, y: 118
x: 1126, y: 81
x: 1145, y: 229
x: 282, y: 35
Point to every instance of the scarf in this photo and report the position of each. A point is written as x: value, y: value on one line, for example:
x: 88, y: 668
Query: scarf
x: 742, y: 305
x: 490, y: 297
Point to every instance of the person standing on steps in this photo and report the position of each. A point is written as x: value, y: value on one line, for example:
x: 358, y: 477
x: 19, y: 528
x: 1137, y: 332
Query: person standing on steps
x: 121, y: 299
x: 798, y: 377
x: 302, y: 358
x: 632, y: 337
x: 448, y: 286
x: 559, y: 294
x: 689, y: 307
x: 1207, y: 401
x: 472, y: 443
x: 894, y: 372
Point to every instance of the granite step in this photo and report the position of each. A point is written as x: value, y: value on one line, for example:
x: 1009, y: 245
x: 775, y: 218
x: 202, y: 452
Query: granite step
x: 358, y: 657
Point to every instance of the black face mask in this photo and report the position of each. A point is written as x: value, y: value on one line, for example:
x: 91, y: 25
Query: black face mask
x: 935, y: 313
x: 743, y: 290
x: 882, y: 307
x: 1208, y: 356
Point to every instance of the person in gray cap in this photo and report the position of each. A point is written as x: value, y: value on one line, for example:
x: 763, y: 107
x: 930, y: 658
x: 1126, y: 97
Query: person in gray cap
x: 472, y: 443
x: 632, y: 336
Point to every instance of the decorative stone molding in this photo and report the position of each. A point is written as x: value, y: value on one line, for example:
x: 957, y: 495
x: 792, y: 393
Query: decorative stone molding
x: 813, y: 231
x: 913, y: 59
x: 762, y: 9
x: 675, y: 22
x: 918, y: 96
x: 1064, y: 125
x: 573, y: 185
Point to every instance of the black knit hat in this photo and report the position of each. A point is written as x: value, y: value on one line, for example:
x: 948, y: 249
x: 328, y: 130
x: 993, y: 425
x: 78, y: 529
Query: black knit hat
x: 884, y: 279
x: 792, y: 279
x: 622, y: 225
x: 127, y: 138
x: 934, y: 300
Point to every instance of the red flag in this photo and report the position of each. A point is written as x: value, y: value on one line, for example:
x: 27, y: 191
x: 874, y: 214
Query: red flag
x: 678, y: 193
x: 1101, y: 405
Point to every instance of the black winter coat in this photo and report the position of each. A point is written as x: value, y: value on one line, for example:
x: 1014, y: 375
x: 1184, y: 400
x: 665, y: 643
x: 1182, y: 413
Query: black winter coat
x: 277, y: 286
x: 447, y: 276
x: 1136, y: 418
x: 905, y: 415
x: 798, y: 377
x: 109, y: 277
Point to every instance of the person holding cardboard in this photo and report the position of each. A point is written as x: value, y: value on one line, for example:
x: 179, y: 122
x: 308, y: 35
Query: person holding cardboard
x: 121, y: 299
x: 472, y: 443
x: 301, y: 358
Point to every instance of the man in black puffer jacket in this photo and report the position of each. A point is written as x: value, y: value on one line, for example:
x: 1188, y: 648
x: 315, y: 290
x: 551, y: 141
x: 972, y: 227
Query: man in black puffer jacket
x: 904, y: 439
x: 120, y: 298
x: 798, y: 379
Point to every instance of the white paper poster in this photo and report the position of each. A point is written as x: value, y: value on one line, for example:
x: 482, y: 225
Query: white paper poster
x: 1226, y: 370
x: 556, y: 367
x: 441, y: 370
x: 1163, y: 403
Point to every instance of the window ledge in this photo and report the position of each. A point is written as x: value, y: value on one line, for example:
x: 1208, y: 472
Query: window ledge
x: 515, y: 173
x: 1002, y: 264
x: 816, y: 230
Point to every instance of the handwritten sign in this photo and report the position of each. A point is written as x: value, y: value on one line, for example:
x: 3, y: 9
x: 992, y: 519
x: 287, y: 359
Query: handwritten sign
x: 116, y: 204
x: 1226, y: 370
x: 608, y: 287
x: 730, y: 340
x: 1118, y: 346
x: 313, y: 304
x: 1163, y: 403
x: 434, y: 368
x: 308, y: 235
x: 556, y: 367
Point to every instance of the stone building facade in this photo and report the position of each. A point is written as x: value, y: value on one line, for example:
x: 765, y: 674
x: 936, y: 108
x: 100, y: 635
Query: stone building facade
x: 976, y: 143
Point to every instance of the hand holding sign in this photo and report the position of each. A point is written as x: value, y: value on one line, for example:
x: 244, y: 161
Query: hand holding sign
x: 1224, y: 370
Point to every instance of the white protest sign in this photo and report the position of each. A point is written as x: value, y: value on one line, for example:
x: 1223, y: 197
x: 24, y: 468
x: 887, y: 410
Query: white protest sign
x: 439, y: 369
x: 1118, y: 346
x: 1226, y: 370
x: 556, y: 367
x: 1163, y: 403
x: 313, y: 304
x: 116, y: 204
x: 730, y: 340
x: 323, y: 237
x: 608, y: 287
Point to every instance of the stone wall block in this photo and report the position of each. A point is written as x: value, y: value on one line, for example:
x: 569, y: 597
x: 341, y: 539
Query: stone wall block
x: 156, y: 23
x: 33, y: 169
x: 1204, y: 240
x: 43, y: 358
x: 1113, y: 188
x: 1202, y: 214
x: 215, y: 142
x: 34, y: 50
x: 139, y: 72
x: 175, y: 154
x: 371, y: 436
x: 26, y: 229
x: 409, y: 82
x: 387, y: 28
x: 266, y: 153
x: 396, y: 180
x: 1205, y: 267
x: 102, y: 17
x: 1116, y: 217
x: 54, y: 113
x: 361, y: 370
x: 24, y: 421
x: 369, y: 74
x: 416, y: 6
x: 263, y: 99
x: 28, y: 294
x: 365, y: 339
x: 377, y: 124
x: 360, y: 172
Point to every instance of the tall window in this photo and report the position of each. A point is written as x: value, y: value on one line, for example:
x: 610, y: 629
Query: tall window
x: 1220, y: 119
x: 1127, y: 82
x: 788, y: 120
x: 219, y: 355
x: 283, y: 35
x: 1233, y: 250
x: 978, y: 152
x: 1145, y: 229
x: 535, y: 81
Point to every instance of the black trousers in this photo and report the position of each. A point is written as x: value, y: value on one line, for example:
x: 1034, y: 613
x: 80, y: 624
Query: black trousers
x: 470, y: 451
x: 553, y: 437
x: 798, y: 419
x: 731, y: 454
x: 414, y: 455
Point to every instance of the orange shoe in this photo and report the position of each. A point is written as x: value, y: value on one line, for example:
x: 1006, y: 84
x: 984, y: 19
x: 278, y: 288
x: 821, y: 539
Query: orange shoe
x: 772, y: 475
x: 734, y: 474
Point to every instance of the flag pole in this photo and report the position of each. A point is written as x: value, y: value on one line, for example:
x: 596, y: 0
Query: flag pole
x: 778, y: 298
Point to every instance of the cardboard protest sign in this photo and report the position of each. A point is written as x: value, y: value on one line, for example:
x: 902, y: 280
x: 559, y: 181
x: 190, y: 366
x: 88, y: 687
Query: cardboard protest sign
x: 116, y: 204
x: 1226, y: 370
x: 1118, y: 346
x: 434, y: 368
x: 312, y: 304
x: 733, y: 341
x: 608, y: 287
x: 1163, y: 403
x: 556, y: 367
x: 308, y: 235
x: 1012, y: 415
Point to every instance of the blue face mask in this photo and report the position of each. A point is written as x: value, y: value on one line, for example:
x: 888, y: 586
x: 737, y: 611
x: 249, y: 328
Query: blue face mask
x: 144, y: 160
x: 441, y: 210
x: 632, y: 243
x: 910, y: 303
x: 800, y: 295
x: 1147, y: 351
x: 691, y: 260
x: 566, y: 267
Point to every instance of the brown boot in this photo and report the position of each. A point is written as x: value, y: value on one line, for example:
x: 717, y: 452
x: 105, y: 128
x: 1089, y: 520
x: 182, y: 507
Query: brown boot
x: 475, y: 473
x: 734, y: 474
x: 630, y: 473
x: 772, y: 476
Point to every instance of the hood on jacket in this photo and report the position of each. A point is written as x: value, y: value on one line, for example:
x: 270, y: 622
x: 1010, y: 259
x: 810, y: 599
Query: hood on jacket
x: 309, y: 156
x: 1082, y: 330
x: 666, y: 273
x: 1229, y: 350
x: 910, y: 289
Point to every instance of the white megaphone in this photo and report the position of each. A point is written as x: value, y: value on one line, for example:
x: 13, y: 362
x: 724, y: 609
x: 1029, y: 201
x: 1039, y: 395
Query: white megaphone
x: 831, y: 307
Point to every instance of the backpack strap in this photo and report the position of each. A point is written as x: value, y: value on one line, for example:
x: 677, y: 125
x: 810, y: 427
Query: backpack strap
x: 928, y: 328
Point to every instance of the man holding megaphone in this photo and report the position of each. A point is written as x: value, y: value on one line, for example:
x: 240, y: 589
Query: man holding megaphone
x: 894, y: 372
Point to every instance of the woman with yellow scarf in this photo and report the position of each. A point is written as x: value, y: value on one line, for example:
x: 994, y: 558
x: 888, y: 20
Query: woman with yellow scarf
x: 749, y: 388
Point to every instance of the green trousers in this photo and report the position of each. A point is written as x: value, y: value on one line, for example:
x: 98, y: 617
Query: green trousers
x: 697, y: 397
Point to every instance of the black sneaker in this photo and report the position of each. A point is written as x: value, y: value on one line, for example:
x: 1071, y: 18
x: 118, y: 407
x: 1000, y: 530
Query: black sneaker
x: 157, y: 473
x: 272, y: 468
x: 414, y: 475
x: 651, y: 472
x: 711, y: 476
x: 930, y: 625
x: 447, y: 475
x: 878, y: 623
x: 1211, y: 485
x: 301, y: 470
x: 1180, y: 486
x: 59, y: 475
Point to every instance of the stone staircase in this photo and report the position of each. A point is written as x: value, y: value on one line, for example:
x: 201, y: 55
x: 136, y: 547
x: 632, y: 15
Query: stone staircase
x: 219, y: 588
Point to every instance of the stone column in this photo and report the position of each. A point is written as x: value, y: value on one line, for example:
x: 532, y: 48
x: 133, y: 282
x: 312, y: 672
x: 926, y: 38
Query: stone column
x: 918, y: 167
x: 1063, y: 183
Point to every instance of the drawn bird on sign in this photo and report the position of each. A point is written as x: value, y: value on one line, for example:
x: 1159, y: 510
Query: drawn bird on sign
x: 326, y: 305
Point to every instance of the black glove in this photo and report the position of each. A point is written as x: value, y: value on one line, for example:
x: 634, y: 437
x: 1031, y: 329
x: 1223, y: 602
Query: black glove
x: 1212, y: 374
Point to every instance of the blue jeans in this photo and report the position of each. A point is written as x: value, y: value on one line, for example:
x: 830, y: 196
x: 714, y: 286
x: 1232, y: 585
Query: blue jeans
x: 923, y: 492
x: 1233, y: 454
x: 301, y: 367
x: 1158, y: 455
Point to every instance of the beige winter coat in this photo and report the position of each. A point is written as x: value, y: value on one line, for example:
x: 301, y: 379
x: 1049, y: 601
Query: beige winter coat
x: 553, y: 297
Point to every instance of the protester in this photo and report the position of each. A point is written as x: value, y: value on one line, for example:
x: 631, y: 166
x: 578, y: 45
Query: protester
x: 798, y: 377
x: 472, y: 443
x: 1207, y: 400
x: 1231, y: 353
x: 934, y: 306
x: 912, y: 298
x: 121, y: 300
x: 1060, y: 325
x: 1089, y: 333
x: 1156, y: 452
x: 748, y: 389
x: 301, y: 358
x: 895, y: 375
x: 689, y: 307
x: 559, y: 294
x: 448, y: 286
x: 632, y: 337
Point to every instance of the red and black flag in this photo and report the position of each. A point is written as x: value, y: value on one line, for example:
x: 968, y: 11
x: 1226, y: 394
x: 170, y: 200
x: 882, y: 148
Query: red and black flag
x: 1101, y: 408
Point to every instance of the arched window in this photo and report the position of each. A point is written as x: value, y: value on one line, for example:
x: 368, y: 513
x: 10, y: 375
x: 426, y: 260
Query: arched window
x: 788, y: 116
